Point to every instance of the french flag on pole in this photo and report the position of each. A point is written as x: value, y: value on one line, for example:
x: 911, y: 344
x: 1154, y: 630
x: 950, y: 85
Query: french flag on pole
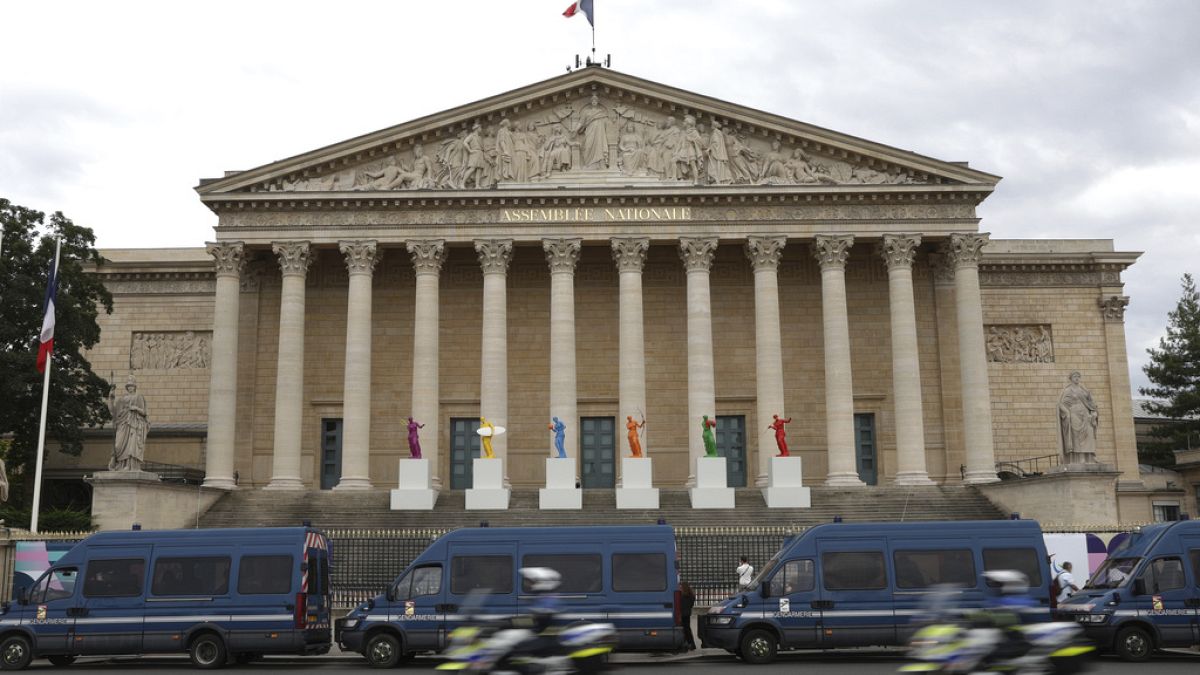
x: 47, y: 337
x: 584, y: 6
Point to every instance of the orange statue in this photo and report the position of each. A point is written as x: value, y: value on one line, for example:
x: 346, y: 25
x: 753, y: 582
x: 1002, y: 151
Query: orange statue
x: 635, y: 445
x: 780, y: 434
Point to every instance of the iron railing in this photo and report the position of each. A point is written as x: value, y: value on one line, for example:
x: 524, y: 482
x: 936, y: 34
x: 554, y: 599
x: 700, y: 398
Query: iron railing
x: 1026, y: 467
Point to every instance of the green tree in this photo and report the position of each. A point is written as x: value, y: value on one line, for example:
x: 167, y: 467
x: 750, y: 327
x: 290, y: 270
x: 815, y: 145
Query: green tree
x: 77, y: 395
x: 1174, y: 372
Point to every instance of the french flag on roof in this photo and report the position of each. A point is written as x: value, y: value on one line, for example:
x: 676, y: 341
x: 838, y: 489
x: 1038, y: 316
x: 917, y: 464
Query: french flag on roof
x: 47, y: 337
x: 584, y: 6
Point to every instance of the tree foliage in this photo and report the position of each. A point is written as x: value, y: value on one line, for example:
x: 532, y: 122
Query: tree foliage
x: 77, y: 395
x: 1174, y: 372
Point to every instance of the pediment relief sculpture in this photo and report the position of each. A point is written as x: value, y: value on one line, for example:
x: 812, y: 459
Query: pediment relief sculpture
x: 599, y: 140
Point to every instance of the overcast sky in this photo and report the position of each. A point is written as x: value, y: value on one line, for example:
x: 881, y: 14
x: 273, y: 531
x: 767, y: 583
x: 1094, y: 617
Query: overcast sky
x: 112, y: 111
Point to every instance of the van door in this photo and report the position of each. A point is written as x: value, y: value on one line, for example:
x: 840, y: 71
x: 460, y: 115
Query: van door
x: 186, y: 586
x: 1165, y: 599
x: 114, y: 585
x: 580, y: 595
x: 50, y: 614
x: 791, y: 594
x: 487, y: 569
x: 855, y: 593
x: 925, y: 572
x: 418, y: 608
x: 1192, y: 545
x: 262, y: 612
x: 643, y: 582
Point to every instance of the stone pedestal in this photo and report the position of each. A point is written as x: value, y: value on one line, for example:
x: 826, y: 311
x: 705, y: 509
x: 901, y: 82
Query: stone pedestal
x: 1072, y: 494
x: 560, y: 491
x: 122, y: 498
x: 785, y: 488
x: 712, y: 490
x: 414, y: 491
x: 487, y: 491
x: 637, y: 489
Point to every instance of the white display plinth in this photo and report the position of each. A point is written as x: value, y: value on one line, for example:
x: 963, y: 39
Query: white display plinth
x: 413, y: 492
x: 637, y: 489
x: 711, y: 491
x: 560, y: 491
x: 785, y: 488
x: 487, y: 491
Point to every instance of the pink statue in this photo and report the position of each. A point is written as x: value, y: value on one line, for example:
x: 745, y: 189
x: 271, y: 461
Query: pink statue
x: 414, y: 438
x: 780, y: 434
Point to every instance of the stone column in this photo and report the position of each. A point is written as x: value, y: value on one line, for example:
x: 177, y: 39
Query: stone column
x: 831, y: 252
x: 764, y: 254
x: 428, y: 255
x: 222, y: 385
x: 1112, y: 311
x: 294, y: 260
x: 964, y: 252
x: 898, y: 251
x: 494, y: 256
x: 630, y: 256
x: 361, y: 257
x: 697, y: 254
x: 561, y: 255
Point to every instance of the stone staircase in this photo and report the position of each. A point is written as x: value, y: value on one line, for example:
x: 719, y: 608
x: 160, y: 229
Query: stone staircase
x: 370, y: 509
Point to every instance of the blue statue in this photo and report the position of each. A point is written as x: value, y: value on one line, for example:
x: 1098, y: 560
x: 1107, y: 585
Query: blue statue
x: 560, y: 435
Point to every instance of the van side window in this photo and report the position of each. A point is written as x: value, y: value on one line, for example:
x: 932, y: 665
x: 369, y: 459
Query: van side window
x: 56, y: 585
x: 1164, y: 574
x: 853, y: 570
x: 581, y: 573
x: 493, y: 573
x: 1023, y: 560
x: 114, y: 578
x: 1194, y: 555
x: 923, y: 569
x: 426, y: 581
x: 265, y: 574
x: 639, y: 572
x: 795, y: 576
x: 191, y: 576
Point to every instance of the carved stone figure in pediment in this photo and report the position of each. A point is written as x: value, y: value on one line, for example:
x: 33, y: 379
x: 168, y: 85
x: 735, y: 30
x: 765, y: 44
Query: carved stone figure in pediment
x: 632, y: 147
x: 774, y: 169
x: 453, y: 160
x: 476, y: 168
x: 690, y: 156
x: 742, y: 161
x: 717, y: 160
x: 505, y: 151
x: 556, y: 152
x: 525, y: 168
x: 596, y: 127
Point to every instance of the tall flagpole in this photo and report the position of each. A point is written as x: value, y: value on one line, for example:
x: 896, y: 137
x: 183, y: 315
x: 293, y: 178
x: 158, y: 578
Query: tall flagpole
x: 41, y: 451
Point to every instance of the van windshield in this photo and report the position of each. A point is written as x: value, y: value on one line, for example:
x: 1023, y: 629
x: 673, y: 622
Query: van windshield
x: 766, y: 571
x: 1113, y: 573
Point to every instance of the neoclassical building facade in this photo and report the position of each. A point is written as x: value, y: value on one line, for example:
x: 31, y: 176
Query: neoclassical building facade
x: 604, y: 249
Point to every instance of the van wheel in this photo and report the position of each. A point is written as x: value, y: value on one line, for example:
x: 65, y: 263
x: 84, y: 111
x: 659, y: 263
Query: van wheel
x: 207, y: 651
x: 382, y: 650
x: 1134, y: 644
x: 15, y: 653
x: 758, y: 646
x: 61, y: 659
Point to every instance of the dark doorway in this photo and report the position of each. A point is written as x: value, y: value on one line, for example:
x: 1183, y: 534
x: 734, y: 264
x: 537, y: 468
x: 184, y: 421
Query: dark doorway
x: 731, y: 444
x: 331, y: 453
x: 597, y: 452
x: 464, y: 448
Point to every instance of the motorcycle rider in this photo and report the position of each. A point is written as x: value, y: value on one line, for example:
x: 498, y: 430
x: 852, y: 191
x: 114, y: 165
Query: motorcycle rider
x: 1002, y: 614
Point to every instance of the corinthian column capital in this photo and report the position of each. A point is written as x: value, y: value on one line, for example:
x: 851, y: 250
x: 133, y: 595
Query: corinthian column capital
x: 562, y: 254
x: 1113, y: 307
x: 765, y: 252
x: 428, y: 255
x: 361, y: 255
x: 697, y: 252
x: 228, y: 256
x: 630, y: 253
x: 494, y: 255
x: 899, y: 250
x: 966, y: 250
x: 832, y: 250
x: 294, y: 257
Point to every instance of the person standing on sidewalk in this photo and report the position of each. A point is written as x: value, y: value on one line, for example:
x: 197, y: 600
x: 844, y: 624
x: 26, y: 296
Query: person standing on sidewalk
x: 687, y: 602
x: 745, y: 572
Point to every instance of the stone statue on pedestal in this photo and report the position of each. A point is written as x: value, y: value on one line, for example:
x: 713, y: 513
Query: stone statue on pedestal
x: 780, y: 434
x: 1078, y: 418
x: 635, y: 444
x: 710, y: 441
x: 560, y: 435
x: 131, y: 421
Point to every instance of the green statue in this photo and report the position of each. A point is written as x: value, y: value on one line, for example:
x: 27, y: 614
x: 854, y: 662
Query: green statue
x: 710, y: 442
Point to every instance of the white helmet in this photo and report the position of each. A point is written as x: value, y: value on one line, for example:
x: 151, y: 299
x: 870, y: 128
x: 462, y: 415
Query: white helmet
x: 1010, y: 582
x: 541, y: 579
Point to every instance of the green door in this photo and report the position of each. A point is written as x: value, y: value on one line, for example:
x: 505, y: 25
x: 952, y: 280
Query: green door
x: 597, y: 452
x: 464, y: 448
x: 731, y: 444
x: 331, y: 453
x: 864, y: 448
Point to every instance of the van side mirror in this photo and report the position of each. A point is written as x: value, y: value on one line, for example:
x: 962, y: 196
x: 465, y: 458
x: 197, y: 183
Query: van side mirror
x: 391, y: 593
x: 23, y: 596
x: 764, y: 589
x: 1139, y: 586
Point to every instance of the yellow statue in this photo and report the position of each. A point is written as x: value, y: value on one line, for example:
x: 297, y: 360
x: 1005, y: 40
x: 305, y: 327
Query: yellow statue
x: 487, y: 430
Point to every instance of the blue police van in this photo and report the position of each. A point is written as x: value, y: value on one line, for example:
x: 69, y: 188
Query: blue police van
x: 218, y: 595
x: 627, y: 576
x: 861, y: 584
x: 1146, y: 595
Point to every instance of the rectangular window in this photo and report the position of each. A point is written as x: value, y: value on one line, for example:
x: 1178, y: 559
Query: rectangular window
x: 796, y: 576
x: 1166, y: 512
x: 923, y: 569
x: 580, y: 573
x: 639, y: 572
x: 114, y: 578
x: 493, y: 573
x: 265, y: 574
x: 191, y: 576
x: 56, y: 585
x: 853, y: 570
x: 1194, y: 556
x: 1164, y: 574
x: 1023, y: 560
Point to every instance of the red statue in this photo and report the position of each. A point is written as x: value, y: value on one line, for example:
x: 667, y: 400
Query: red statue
x: 780, y: 434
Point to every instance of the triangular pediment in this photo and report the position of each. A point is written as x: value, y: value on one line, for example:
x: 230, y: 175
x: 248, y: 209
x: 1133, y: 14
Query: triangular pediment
x: 595, y: 127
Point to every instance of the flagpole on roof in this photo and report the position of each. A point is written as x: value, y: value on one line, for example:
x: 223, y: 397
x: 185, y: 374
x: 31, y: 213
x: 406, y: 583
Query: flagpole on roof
x: 41, y: 448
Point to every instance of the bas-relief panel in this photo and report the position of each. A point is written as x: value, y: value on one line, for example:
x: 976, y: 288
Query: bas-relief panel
x: 598, y: 140
x: 1020, y: 343
x: 170, y: 350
